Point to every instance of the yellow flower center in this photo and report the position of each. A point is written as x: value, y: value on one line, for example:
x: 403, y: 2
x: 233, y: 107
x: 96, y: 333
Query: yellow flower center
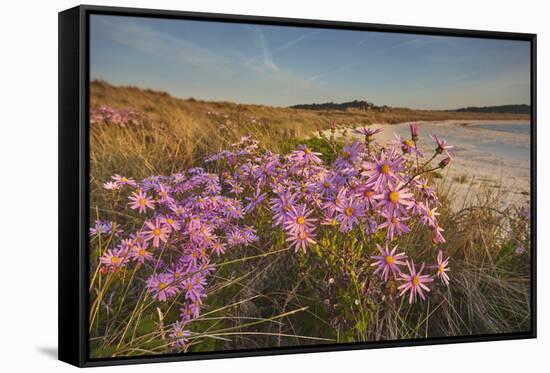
x: 170, y: 221
x: 124, y: 179
x: 368, y: 193
x: 156, y: 232
x: 162, y: 285
x: 300, y: 220
x: 415, y: 280
x: 441, y: 268
x: 141, y: 252
x: 349, y: 211
x: 390, y: 260
x: 114, y: 260
x: 346, y: 155
x: 286, y: 208
x: 409, y: 143
x: 385, y: 169
x: 307, y: 151
x: 189, y: 286
x: 142, y: 201
x: 176, y: 275
x: 430, y: 213
x: 179, y: 334
x: 393, y: 196
x: 326, y: 184
x: 302, y: 235
x: 394, y: 220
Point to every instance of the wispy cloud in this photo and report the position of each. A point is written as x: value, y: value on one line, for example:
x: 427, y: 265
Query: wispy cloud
x: 332, y: 71
x: 140, y: 37
x: 297, y: 40
x: 264, y: 60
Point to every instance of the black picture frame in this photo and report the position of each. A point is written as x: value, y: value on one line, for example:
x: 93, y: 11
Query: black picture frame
x: 74, y: 171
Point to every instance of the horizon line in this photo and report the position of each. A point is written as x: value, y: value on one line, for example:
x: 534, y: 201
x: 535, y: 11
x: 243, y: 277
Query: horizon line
x: 101, y: 80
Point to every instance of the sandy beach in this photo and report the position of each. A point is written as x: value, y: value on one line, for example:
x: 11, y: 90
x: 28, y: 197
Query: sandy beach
x: 487, y: 154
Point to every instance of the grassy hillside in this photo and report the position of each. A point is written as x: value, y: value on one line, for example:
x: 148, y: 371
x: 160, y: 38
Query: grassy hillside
x: 185, y: 130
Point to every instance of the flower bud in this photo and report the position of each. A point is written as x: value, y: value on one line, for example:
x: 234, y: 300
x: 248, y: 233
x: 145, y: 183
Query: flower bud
x: 445, y: 162
x: 414, y: 132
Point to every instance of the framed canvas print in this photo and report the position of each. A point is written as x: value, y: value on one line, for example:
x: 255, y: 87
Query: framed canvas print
x: 237, y: 186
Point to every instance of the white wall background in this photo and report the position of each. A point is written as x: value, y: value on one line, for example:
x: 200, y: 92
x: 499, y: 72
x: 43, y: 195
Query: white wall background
x: 28, y: 184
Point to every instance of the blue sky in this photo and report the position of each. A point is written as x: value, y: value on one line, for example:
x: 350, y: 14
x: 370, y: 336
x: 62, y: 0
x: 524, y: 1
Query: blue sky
x: 283, y: 66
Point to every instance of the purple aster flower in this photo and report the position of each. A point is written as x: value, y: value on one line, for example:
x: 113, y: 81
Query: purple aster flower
x: 114, y: 258
x: 111, y: 185
x: 442, y: 267
x: 157, y: 232
x: 325, y: 187
x: 123, y: 180
x: 300, y: 240
x: 438, y: 236
x: 190, y: 311
x: 298, y: 219
x: 394, y: 226
x: 332, y: 204
x: 235, y: 238
x: 161, y: 286
x: 429, y: 216
x: 194, y: 288
x: 350, y: 154
x: 425, y: 188
x: 305, y: 156
x: 141, y: 202
x: 255, y: 201
x: 388, y: 262
x: 177, y: 274
x: 349, y: 213
x: 442, y: 146
x: 367, y: 132
x: 249, y: 234
x: 99, y: 228
x: 395, y: 200
x: 236, y: 187
x: 179, y: 334
x: 170, y: 223
x: 366, y: 194
x: 385, y: 170
x: 415, y: 283
x: 218, y: 248
x: 407, y: 146
x: 140, y: 254
x: 520, y: 249
x: 281, y: 207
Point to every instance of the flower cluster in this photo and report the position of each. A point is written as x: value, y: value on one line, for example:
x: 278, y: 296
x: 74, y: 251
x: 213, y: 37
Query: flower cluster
x: 185, y: 220
x: 369, y: 188
x: 180, y: 222
x: 107, y: 114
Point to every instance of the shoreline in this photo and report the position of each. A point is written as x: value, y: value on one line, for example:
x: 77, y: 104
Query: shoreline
x: 483, y: 158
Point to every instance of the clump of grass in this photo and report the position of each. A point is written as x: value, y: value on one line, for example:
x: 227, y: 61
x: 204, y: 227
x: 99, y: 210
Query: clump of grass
x: 462, y: 179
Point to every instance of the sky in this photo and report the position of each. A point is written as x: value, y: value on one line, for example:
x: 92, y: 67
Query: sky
x: 283, y: 66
